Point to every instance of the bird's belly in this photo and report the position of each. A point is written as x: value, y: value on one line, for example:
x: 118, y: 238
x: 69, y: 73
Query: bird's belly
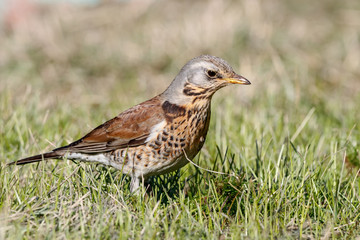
x: 170, y: 149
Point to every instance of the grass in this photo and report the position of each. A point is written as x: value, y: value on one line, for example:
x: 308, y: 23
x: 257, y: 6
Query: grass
x: 286, y: 148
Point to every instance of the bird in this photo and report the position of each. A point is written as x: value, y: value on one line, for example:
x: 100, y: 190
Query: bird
x: 159, y: 135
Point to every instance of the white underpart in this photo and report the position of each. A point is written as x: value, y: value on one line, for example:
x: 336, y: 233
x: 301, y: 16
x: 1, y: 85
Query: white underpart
x: 98, y: 158
x: 155, y: 130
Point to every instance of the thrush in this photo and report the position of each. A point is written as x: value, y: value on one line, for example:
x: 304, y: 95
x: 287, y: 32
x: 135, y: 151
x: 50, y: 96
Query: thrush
x: 159, y: 135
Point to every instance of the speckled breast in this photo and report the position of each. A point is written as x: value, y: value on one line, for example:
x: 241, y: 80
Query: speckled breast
x: 180, y: 137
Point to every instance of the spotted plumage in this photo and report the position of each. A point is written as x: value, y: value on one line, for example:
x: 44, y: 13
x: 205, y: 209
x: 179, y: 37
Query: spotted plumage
x: 159, y: 135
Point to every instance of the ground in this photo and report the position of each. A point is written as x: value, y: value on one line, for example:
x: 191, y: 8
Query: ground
x: 285, y: 150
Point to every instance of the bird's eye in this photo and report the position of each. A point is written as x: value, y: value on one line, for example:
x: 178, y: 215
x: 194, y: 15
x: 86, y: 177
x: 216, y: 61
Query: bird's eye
x: 211, y: 73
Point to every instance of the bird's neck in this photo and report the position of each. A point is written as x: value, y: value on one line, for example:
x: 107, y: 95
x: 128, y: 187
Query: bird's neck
x: 189, y: 98
x: 197, y: 106
x: 190, y: 95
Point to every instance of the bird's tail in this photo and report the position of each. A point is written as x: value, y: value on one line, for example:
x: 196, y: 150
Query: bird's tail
x: 38, y: 158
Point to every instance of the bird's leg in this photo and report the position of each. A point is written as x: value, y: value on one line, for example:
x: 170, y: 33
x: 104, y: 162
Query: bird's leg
x: 135, y: 183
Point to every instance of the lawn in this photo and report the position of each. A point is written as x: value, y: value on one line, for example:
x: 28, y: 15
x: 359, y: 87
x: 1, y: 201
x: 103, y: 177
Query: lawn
x: 282, y: 156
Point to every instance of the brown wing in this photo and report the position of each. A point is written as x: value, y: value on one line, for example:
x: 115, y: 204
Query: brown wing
x: 128, y: 129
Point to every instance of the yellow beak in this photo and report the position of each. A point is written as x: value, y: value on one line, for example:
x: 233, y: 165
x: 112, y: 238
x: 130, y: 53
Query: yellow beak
x: 237, y: 79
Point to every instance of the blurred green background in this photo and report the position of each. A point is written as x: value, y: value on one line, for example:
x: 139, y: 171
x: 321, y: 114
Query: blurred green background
x: 304, y: 50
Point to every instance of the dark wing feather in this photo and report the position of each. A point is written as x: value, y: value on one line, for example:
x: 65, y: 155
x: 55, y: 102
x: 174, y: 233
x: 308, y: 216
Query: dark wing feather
x: 129, y: 129
x: 37, y: 158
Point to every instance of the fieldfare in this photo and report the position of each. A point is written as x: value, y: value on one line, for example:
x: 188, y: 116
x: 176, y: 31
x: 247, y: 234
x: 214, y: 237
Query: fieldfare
x: 159, y: 135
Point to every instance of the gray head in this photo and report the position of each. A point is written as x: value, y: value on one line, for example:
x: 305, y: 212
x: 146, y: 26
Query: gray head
x: 203, y: 75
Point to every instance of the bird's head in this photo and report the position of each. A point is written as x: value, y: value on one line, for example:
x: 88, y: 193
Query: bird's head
x: 202, y: 76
